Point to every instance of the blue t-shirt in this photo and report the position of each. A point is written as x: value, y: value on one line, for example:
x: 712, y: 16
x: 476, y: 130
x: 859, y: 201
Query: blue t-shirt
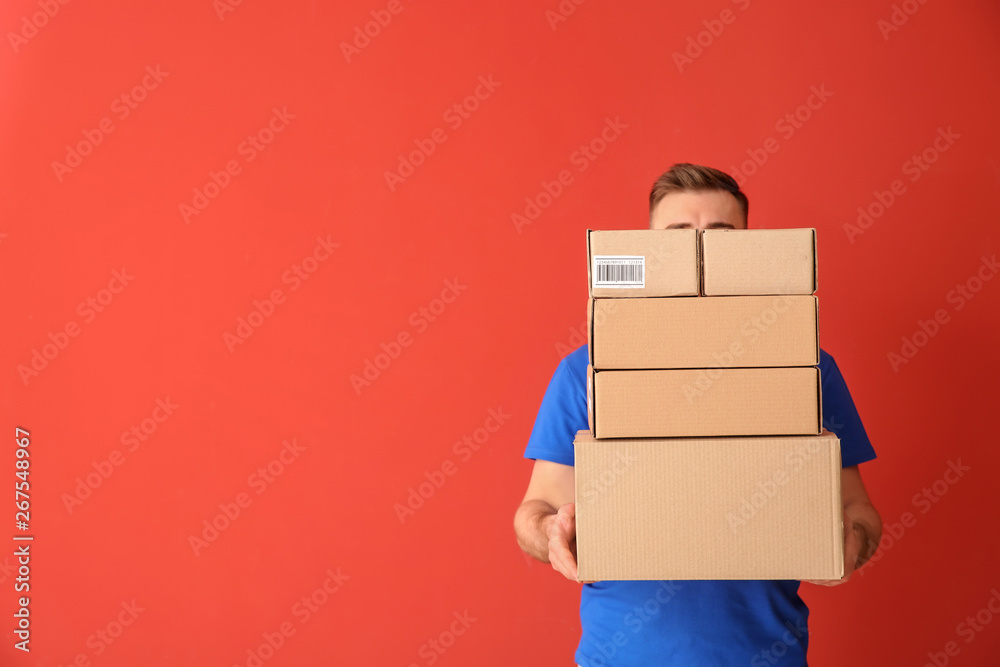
x: 690, y: 622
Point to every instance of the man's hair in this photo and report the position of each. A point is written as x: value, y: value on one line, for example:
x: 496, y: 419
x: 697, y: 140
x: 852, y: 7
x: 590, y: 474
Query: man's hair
x: 685, y: 177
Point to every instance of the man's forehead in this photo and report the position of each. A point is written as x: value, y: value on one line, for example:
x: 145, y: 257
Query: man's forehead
x: 700, y: 209
x: 718, y: 224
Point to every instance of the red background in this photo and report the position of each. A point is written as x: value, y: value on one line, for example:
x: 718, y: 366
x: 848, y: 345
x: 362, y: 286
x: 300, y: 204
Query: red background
x: 496, y: 345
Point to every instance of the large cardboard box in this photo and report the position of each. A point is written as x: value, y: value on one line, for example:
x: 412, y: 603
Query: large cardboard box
x: 643, y: 262
x: 739, y: 262
x: 709, y: 508
x: 704, y: 402
x: 747, y: 331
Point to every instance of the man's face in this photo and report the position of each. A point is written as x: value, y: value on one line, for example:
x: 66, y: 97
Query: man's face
x: 704, y: 209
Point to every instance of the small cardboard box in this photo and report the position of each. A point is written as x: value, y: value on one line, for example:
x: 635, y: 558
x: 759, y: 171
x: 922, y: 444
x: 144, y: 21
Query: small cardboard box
x: 727, y: 332
x: 709, y: 508
x: 737, y: 262
x: 704, y: 402
x: 643, y: 262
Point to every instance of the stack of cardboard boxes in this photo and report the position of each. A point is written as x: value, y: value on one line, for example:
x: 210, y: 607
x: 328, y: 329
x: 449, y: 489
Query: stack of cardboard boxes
x: 706, y: 456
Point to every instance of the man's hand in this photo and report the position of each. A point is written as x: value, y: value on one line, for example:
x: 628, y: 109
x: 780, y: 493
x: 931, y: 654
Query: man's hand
x: 545, y: 522
x: 561, y: 531
x: 854, y: 537
x: 862, y: 526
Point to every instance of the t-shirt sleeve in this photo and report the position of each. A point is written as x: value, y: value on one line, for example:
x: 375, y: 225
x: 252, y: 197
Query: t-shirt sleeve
x: 563, y: 412
x: 841, y: 417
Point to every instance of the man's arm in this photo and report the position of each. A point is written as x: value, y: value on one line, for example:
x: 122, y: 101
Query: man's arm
x: 545, y: 522
x: 862, y: 525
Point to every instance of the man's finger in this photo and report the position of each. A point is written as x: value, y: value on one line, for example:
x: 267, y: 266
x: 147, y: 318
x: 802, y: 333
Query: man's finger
x: 824, y: 582
x: 848, y: 526
x: 566, y: 517
x: 558, y: 549
x: 563, y: 562
x: 561, y: 556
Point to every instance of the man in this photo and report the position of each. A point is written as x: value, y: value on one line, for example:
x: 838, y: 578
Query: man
x: 684, y: 623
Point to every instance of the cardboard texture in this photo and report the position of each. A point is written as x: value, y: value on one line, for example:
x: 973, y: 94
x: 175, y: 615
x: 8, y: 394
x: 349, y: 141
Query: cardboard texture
x: 706, y: 457
x: 643, y: 262
x: 590, y: 398
x: 709, y: 508
x: 758, y: 261
x: 725, y: 332
x: 705, y: 402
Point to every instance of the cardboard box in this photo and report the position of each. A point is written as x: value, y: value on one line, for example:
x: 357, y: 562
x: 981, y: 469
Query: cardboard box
x: 643, y: 262
x: 758, y: 261
x: 727, y: 332
x: 709, y: 508
x: 704, y: 402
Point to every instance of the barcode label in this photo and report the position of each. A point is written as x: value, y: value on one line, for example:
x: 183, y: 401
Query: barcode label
x: 619, y: 271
